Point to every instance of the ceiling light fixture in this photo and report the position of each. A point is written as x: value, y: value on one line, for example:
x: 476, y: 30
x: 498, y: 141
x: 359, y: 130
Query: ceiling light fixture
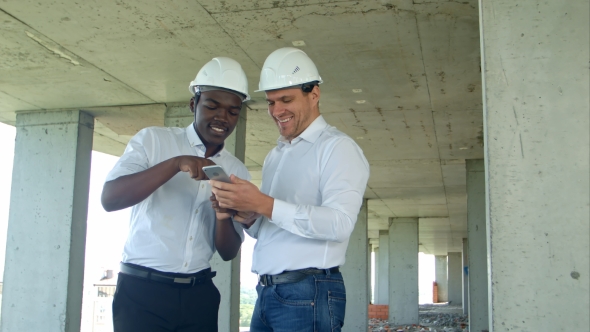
x: 357, y: 90
x: 362, y: 101
x: 298, y: 43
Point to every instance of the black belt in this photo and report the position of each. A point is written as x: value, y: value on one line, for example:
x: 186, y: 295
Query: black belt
x: 293, y: 276
x: 167, y: 278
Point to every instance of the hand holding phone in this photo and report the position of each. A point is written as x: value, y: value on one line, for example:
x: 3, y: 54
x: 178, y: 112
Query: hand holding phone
x: 216, y: 173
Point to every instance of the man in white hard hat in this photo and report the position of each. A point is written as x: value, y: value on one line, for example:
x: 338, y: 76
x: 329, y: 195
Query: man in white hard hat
x: 312, y: 190
x: 165, y: 280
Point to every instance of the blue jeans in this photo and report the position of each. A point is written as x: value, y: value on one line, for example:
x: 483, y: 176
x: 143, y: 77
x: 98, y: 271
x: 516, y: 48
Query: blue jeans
x: 314, y: 304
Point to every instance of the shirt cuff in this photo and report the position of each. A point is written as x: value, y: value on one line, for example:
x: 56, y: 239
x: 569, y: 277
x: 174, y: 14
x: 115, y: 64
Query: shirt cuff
x: 283, y: 213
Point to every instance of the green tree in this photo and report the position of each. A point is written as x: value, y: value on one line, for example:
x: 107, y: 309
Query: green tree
x: 248, y: 298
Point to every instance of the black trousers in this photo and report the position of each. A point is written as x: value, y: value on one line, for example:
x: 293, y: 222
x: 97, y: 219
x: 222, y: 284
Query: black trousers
x: 149, y: 306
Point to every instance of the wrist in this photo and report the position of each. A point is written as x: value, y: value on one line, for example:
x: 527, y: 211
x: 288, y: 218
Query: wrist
x: 176, y: 163
x: 225, y: 219
x: 266, y: 206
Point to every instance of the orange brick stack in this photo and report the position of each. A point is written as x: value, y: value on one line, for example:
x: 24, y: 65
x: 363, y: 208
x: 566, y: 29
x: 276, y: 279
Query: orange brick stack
x: 434, y: 292
x: 379, y: 311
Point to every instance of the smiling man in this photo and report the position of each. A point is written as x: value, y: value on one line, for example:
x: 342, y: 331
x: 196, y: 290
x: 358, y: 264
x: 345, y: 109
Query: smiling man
x: 312, y: 190
x: 165, y: 281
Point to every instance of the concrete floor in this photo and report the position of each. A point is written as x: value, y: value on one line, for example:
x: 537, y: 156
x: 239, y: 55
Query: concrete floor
x: 437, y: 317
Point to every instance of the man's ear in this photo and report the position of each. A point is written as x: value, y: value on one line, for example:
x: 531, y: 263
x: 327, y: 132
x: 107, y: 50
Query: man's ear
x: 192, y: 105
x: 315, y: 93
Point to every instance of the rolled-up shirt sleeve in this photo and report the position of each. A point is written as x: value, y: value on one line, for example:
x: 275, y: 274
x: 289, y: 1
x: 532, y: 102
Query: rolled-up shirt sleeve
x: 343, y: 181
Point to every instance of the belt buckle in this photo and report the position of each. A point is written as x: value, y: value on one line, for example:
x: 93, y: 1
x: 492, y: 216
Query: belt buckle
x: 263, y: 280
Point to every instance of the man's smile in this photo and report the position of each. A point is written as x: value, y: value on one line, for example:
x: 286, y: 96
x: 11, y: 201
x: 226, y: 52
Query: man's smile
x: 218, y: 129
x: 285, y: 120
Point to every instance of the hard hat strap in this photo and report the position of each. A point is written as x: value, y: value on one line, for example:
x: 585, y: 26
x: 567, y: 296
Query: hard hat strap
x: 197, y: 97
x: 308, y: 87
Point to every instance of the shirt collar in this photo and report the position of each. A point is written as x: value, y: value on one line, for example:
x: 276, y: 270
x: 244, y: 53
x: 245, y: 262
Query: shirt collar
x: 195, y: 140
x: 311, y: 133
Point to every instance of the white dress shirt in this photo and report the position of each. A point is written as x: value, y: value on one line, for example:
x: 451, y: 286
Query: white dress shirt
x: 317, y: 181
x: 173, y: 229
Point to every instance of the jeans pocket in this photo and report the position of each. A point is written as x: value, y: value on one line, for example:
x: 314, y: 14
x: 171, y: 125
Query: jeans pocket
x: 296, y: 294
x: 337, y: 307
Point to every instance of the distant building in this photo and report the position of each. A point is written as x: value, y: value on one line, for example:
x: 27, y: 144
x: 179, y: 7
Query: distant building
x: 104, y: 291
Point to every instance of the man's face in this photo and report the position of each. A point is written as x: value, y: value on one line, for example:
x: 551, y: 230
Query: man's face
x: 216, y: 115
x: 293, y: 110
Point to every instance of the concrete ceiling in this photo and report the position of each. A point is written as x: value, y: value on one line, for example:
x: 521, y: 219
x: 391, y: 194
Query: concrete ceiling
x: 417, y: 63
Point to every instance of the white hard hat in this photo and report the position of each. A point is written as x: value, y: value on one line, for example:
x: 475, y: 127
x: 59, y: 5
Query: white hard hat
x: 222, y: 72
x: 287, y: 67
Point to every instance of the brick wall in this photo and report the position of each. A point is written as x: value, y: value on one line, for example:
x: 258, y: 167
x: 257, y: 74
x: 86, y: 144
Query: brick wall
x: 379, y: 311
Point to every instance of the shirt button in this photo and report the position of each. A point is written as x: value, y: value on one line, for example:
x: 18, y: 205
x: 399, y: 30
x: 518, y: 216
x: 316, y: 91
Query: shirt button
x: 197, y: 211
x: 191, y: 238
x: 185, y: 264
x: 203, y: 185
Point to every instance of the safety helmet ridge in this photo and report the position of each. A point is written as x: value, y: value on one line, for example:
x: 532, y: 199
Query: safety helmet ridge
x: 286, y: 67
x: 224, y: 73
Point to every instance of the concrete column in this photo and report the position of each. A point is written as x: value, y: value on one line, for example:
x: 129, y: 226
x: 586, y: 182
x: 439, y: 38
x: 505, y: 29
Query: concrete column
x: 465, y: 275
x: 376, y: 276
x: 476, y: 233
x: 455, y: 280
x: 369, y: 267
x: 356, y: 276
x: 403, y: 271
x: 441, y: 276
x: 383, y: 285
x: 535, y: 91
x: 46, y: 238
x: 228, y: 273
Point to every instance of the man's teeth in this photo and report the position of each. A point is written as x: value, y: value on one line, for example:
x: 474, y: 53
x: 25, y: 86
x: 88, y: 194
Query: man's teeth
x: 283, y: 121
x: 219, y: 130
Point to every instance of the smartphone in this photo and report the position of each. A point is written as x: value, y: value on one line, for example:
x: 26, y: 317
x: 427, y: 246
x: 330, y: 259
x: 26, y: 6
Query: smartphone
x: 216, y: 173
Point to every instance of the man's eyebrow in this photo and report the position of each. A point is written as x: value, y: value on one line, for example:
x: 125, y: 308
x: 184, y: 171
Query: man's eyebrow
x: 283, y: 97
x: 211, y: 100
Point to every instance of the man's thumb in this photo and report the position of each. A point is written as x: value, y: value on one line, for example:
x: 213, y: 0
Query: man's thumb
x: 235, y: 179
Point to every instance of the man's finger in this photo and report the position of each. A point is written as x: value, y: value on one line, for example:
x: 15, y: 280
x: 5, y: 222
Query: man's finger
x: 220, y: 185
x: 220, y: 193
x: 235, y: 179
